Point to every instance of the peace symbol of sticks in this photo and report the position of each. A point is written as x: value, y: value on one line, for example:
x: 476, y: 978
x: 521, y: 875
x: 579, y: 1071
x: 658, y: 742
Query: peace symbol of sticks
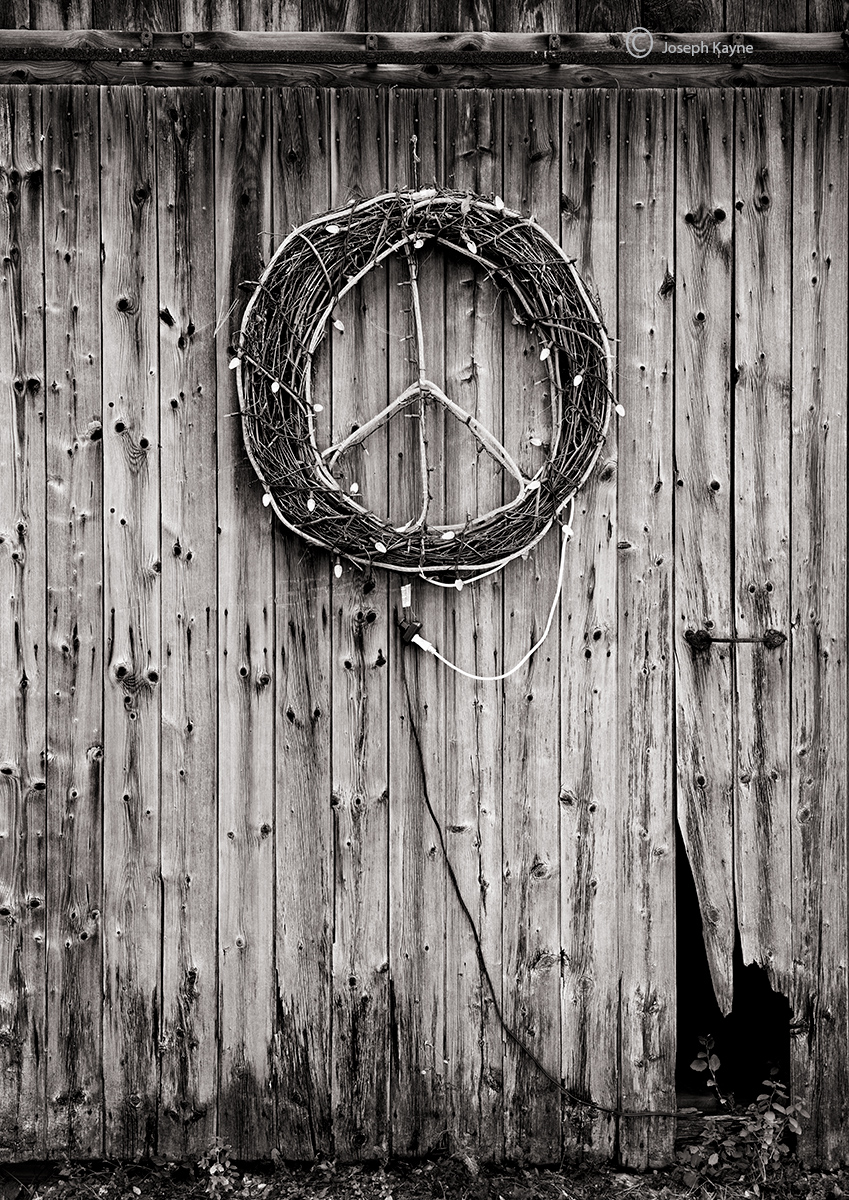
x: 287, y: 318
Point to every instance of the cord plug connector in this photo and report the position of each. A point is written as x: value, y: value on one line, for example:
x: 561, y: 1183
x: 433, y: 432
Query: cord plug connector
x: 409, y: 628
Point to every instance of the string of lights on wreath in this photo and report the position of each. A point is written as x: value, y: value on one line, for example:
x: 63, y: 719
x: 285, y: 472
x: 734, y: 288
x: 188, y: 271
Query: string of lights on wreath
x: 287, y: 318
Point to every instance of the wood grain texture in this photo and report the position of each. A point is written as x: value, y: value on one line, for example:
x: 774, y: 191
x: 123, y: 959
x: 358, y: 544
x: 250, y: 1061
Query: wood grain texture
x: 672, y: 16
x: 818, y: 630
x: 23, y: 633
x: 530, y: 762
x: 60, y: 14
x: 646, y: 926
x: 825, y: 15
x: 703, y: 502
x: 767, y: 15
x: 762, y: 440
x: 360, y: 631
x: 330, y: 15
x: 304, y: 715
x: 282, y: 15
x: 535, y: 16
x: 132, y: 603
x: 462, y: 16
x: 189, y: 855
x: 417, y: 869
x: 71, y: 121
x: 600, y: 16
x: 246, y: 653
x: 589, y: 798
x: 474, y: 639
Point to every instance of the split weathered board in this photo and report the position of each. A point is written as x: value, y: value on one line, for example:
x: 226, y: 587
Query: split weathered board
x: 71, y: 118
x: 762, y: 517
x: 23, y: 631
x: 246, y: 653
x: 304, y: 847
x: 645, y: 599
x: 473, y: 747
x: 188, y: 464
x: 703, y: 341
x: 132, y: 567
x: 530, y: 819
x: 216, y: 758
x: 360, y: 693
x: 818, y: 619
x: 418, y: 721
x: 589, y: 794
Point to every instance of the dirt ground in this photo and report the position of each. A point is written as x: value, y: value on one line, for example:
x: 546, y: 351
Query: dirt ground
x: 457, y: 1178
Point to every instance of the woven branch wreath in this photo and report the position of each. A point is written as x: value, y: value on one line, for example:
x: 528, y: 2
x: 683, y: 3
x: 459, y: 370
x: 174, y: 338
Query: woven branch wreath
x: 286, y: 320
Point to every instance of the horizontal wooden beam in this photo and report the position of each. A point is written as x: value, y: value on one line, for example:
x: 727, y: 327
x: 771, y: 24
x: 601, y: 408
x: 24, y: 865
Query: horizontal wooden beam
x: 569, y: 60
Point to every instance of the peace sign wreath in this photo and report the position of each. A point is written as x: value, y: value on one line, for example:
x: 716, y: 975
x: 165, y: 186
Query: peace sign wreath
x: 287, y: 318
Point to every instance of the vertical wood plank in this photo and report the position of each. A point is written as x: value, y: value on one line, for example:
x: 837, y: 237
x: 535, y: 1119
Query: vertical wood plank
x: 763, y: 312
x: 185, y: 216
x: 474, y: 638
x: 825, y: 16
x: 462, y: 16
x: 132, y: 566
x: 646, y: 925
x: 15, y: 14
x: 535, y: 16
x: 321, y: 16
x: 387, y: 16
x: 75, y: 616
x: 303, y: 717
x: 60, y: 14
x: 417, y: 869
x: 360, y: 1046
x: 23, y: 633
x: 589, y: 826
x: 672, y: 16
x: 278, y: 16
x: 600, y: 16
x: 156, y: 15
x: 531, y: 698
x: 767, y: 15
x: 703, y: 553
x: 245, y: 655
x: 818, y: 629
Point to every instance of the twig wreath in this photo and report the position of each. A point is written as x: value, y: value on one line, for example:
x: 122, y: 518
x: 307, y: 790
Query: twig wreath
x: 287, y: 318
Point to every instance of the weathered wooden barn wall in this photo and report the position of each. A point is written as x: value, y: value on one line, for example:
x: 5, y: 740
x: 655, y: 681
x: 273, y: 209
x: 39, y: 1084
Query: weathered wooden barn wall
x: 224, y: 904
x: 519, y: 16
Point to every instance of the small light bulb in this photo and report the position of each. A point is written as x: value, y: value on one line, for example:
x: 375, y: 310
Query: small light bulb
x: 318, y: 408
x: 577, y: 381
x: 234, y: 362
x: 544, y: 353
x: 337, y: 324
x: 332, y: 229
x: 458, y: 584
x: 418, y: 243
x: 449, y: 535
x: 380, y: 548
x: 499, y: 203
x: 266, y: 500
x: 536, y: 441
x: 355, y: 487
x: 311, y: 505
x: 619, y: 410
x: 337, y: 570
x: 275, y: 387
x: 472, y: 248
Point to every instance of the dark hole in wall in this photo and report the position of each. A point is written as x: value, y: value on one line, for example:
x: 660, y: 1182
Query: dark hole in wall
x: 750, y: 1041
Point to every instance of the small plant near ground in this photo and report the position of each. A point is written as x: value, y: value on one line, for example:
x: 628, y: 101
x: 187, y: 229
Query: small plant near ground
x: 218, y: 1168
x: 744, y: 1145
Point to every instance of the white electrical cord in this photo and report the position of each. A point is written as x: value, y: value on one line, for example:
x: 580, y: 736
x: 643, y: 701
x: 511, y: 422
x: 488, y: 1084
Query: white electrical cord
x: 429, y: 648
